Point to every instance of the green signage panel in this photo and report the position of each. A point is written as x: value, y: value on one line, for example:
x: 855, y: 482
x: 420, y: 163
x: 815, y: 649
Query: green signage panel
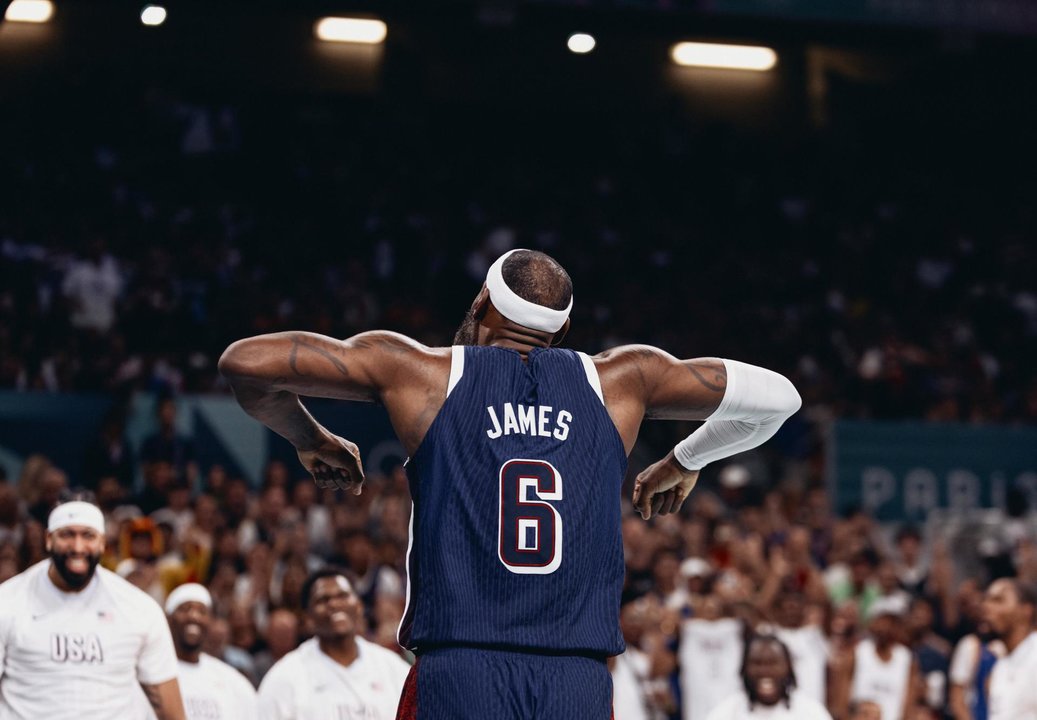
x: 901, y: 471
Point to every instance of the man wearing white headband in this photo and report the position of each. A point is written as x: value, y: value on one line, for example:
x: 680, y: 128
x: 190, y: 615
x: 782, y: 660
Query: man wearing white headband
x: 76, y: 640
x: 517, y: 457
x: 211, y: 688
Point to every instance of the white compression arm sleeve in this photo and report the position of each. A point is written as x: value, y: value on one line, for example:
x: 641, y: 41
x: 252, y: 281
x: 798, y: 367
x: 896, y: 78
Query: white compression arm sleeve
x: 756, y: 403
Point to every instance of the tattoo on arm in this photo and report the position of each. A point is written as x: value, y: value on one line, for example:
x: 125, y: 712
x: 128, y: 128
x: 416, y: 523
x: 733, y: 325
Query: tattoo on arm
x: 718, y: 380
x: 293, y: 356
x: 154, y: 699
x: 162, y: 710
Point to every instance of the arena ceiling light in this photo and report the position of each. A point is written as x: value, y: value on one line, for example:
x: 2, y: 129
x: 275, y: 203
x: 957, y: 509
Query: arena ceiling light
x: 351, y: 30
x: 730, y: 57
x: 581, y: 43
x: 30, y: 11
x: 153, y: 15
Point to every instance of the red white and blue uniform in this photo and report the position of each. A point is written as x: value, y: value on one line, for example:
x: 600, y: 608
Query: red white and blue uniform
x: 516, y: 559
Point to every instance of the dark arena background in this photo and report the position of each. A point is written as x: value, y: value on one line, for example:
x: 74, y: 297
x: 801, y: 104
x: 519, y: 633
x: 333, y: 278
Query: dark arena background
x: 857, y: 213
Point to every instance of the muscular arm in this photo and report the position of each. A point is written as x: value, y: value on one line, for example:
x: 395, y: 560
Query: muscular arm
x: 641, y: 381
x: 268, y: 373
x: 165, y: 700
x: 743, y: 405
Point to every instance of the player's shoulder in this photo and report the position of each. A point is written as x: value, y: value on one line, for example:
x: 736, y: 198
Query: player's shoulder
x: 625, y: 364
x: 226, y: 672
x: 17, y: 586
x: 631, y: 354
x: 290, y: 669
x: 393, y: 342
x: 379, y: 654
x: 129, y: 597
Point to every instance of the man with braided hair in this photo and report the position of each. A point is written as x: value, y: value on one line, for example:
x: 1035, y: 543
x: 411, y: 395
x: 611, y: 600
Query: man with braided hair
x: 770, y: 686
x: 517, y: 455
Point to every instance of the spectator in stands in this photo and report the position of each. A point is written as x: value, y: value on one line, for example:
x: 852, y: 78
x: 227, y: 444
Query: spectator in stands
x: 970, y: 669
x: 92, y: 285
x: 1010, y: 607
x: 168, y: 446
x: 282, y: 636
x: 338, y: 669
x: 769, y: 686
x: 710, y: 656
x: 883, y: 669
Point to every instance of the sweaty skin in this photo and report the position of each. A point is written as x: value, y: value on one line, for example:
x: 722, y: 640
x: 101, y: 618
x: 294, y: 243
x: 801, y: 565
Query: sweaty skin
x: 268, y: 373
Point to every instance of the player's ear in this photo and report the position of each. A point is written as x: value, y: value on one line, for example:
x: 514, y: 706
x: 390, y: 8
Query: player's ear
x: 560, y: 335
x: 481, y: 303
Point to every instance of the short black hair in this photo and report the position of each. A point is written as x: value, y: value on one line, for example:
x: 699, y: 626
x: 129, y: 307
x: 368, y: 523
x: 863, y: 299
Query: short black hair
x: 319, y: 574
x: 538, y: 278
x: 790, y: 682
x: 1025, y: 593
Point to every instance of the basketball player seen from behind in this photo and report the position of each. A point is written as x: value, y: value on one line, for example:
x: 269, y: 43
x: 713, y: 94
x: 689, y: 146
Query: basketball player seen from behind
x: 517, y: 456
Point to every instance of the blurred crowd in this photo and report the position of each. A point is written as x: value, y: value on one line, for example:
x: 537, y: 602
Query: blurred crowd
x: 885, y: 285
x: 134, y: 252
x: 837, y: 590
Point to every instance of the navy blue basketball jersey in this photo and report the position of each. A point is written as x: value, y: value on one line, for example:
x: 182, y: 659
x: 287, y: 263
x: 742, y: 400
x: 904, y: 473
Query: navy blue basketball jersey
x: 515, y: 537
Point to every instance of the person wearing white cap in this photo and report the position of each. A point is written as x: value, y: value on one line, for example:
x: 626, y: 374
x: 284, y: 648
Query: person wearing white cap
x: 883, y: 670
x: 518, y: 451
x: 336, y: 674
x: 76, y: 639
x: 211, y: 688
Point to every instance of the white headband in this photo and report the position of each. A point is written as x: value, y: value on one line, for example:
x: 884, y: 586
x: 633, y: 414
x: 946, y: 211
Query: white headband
x: 76, y: 513
x: 518, y: 309
x: 189, y: 592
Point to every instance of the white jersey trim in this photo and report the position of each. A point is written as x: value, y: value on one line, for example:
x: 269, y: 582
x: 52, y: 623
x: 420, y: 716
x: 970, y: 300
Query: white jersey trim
x: 456, y: 367
x: 405, y: 619
x: 592, y: 375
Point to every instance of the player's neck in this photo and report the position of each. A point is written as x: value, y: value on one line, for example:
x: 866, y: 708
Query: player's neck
x: 507, y: 334
x: 342, y: 650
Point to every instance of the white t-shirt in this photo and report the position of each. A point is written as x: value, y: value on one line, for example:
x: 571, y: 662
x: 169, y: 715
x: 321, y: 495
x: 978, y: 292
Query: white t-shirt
x: 628, y: 696
x: 212, y: 690
x: 79, y: 656
x: 809, y: 651
x: 306, y: 684
x: 1013, y: 683
x: 965, y: 663
x: 710, y: 657
x: 884, y: 683
x: 94, y: 288
x: 801, y: 707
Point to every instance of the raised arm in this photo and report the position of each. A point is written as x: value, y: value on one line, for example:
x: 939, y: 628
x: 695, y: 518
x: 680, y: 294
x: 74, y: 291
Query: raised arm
x: 268, y: 373
x: 743, y: 406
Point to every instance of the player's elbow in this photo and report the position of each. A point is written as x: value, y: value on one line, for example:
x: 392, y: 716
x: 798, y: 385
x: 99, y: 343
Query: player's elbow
x: 235, y: 360
x: 787, y: 399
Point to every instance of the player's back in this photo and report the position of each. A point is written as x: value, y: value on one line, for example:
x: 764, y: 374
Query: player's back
x: 516, y: 528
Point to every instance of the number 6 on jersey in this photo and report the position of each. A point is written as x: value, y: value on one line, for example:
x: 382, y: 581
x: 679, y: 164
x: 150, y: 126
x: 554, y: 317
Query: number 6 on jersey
x: 530, y: 534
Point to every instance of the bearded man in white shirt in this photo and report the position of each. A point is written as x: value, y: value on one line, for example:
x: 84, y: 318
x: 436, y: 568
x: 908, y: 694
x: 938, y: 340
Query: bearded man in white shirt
x: 76, y: 639
x: 336, y: 675
x: 1010, y: 608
